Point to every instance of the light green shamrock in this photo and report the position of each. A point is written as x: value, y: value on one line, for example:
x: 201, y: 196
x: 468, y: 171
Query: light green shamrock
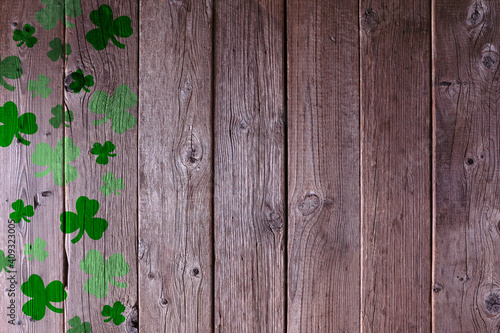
x: 111, y: 184
x: 57, y: 10
x: 36, y: 250
x: 78, y: 326
x: 40, y: 87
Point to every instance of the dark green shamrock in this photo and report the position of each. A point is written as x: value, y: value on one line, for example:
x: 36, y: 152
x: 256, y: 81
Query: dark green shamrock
x: 60, y: 117
x: 111, y: 184
x: 78, y: 326
x: 103, y: 152
x: 25, y: 36
x: 108, y: 28
x: 14, y: 126
x: 21, y: 212
x: 36, y: 250
x: 10, y: 68
x: 40, y: 86
x: 41, y: 296
x: 84, y: 220
x: 58, y: 50
x: 114, y: 313
x: 81, y: 81
x: 57, y: 10
x: 5, y: 262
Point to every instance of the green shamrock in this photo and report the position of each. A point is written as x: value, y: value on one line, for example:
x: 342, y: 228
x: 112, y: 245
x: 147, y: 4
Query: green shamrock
x: 108, y: 28
x: 114, y: 313
x: 21, y: 212
x: 103, y: 152
x: 36, y: 250
x: 14, y: 126
x: 5, y: 262
x: 115, y: 108
x: 40, y: 86
x: 111, y: 184
x: 41, y: 296
x: 25, y: 36
x: 58, y: 50
x: 60, y: 117
x: 103, y: 272
x: 78, y: 326
x: 81, y: 81
x: 57, y: 160
x: 84, y: 220
x: 10, y: 68
x: 57, y: 10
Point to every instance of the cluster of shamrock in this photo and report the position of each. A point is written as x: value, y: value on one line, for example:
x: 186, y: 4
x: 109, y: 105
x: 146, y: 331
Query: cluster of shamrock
x: 57, y: 160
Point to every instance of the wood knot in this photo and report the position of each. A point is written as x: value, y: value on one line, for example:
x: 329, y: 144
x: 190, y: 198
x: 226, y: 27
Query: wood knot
x: 191, y: 152
x: 370, y: 20
x: 489, y: 57
x: 163, y: 302
x: 437, y: 288
x: 309, y: 204
x: 132, y: 323
x: 475, y: 15
x: 492, y: 303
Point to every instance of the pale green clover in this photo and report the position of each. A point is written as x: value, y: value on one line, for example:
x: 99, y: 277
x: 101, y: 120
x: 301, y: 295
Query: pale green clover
x: 78, y: 326
x: 36, y: 250
x: 40, y: 86
x: 57, y: 10
x: 111, y: 184
x: 5, y: 262
x: 57, y: 160
x: 103, y: 272
x: 115, y: 108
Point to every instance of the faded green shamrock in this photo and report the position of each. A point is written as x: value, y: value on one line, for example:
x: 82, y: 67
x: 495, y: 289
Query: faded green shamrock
x: 57, y: 10
x: 60, y: 117
x: 103, y: 152
x: 40, y: 86
x: 81, y: 81
x: 58, y: 51
x: 36, y: 250
x: 14, y: 126
x: 111, y: 184
x: 10, y: 68
x: 21, y: 212
x: 84, y: 220
x: 5, y: 262
x: 25, y: 36
x: 57, y: 160
x: 114, y: 313
x: 103, y: 272
x: 108, y: 28
x: 42, y: 296
x: 115, y: 108
x: 78, y: 326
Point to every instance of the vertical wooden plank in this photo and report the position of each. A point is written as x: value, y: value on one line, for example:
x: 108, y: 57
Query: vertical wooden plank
x: 175, y: 166
x: 18, y: 172
x: 111, y: 68
x: 249, y: 166
x: 324, y: 199
x: 395, y: 162
x: 466, y: 281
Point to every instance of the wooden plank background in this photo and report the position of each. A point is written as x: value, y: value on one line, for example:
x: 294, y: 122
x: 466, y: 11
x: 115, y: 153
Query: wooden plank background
x: 294, y: 166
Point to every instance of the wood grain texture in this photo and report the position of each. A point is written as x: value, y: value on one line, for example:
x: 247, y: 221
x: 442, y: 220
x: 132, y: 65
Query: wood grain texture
x: 323, y: 166
x: 249, y: 206
x: 175, y: 166
x: 466, y: 281
x: 110, y: 68
x: 395, y: 166
x: 18, y: 172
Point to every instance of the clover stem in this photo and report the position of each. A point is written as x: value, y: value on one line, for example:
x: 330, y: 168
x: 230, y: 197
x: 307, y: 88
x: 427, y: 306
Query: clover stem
x: 6, y: 85
x: 85, y: 89
x: 22, y: 140
x: 78, y: 237
x: 117, y: 43
x: 26, y: 219
x: 54, y: 309
x: 109, y: 319
x: 111, y: 155
x: 101, y: 121
x: 43, y: 173
x: 20, y: 44
x: 68, y: 24
x: 118, y: 284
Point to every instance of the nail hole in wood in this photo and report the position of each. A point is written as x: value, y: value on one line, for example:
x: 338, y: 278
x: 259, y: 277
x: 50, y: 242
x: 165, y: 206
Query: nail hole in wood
x: 470, y: 161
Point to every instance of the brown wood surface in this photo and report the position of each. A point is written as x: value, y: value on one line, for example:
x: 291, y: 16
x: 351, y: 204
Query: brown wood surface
x: 323, y: 167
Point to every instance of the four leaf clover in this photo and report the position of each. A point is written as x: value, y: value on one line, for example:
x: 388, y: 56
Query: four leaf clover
x: 10, y: 68
x: 5, y: 262
x: 25, y: 36
x: 78, y: 326
x: 58, y: 50
x: 60, y: 117
x: 114, y: 313
x: 103, y: 152
x: 21, y: 212
x: 36, y: 250
x: 108, y: 28
x: 57, y: 10
x: 40, y: 86
x: 111, y: 184
x: 81, y: 81
x: 42, y: 296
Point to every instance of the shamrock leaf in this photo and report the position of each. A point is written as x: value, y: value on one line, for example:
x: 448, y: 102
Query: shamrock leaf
x: 57, y: 160
x: 111, y: 184
x: 103, y: 272
x: 58, y: 50
x: 114, y: 313
x: 36, y: 250
x: 25, y: 36
x: 42, y: 297
x: 115, y: 108
x: 60, y: 117
x: 40, y: 86
x: 108, y: 28
x: 84, y: 220
x: 10, y: 68
x: 21, y: 212
x: 5, y: 262
x: 103, y: 152
x: 57, y: 10
x: 14, y: 126
x: 81, y: 81
x: 78, y: 326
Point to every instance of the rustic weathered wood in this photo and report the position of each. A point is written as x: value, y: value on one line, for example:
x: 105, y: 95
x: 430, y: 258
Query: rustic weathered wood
x: 110, y: 68
x: 466, y: 283
x: 17, y: 175
x: 249, y: 206
x: 175, y: 166
x: 395, y: 166
x: 323, y: 166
